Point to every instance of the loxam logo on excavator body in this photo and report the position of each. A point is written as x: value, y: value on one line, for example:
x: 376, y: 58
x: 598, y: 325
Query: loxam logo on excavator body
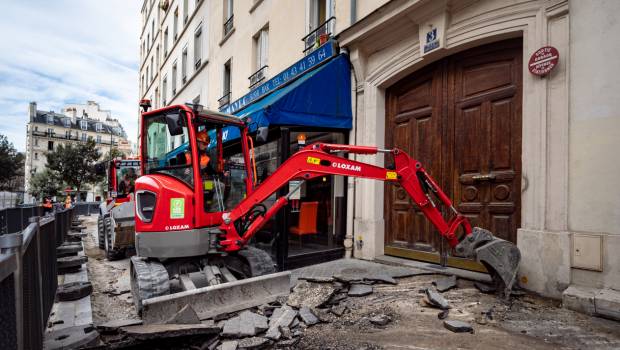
x: 347, y: 166
x: 176, y: 227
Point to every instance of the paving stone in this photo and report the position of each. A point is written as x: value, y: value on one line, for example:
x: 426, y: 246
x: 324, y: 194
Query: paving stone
x: 485, y: 288
x: 186, y: 315
x: 73, y: 291
x: 247, y: 324
x: 310, y: 294
x: 71, y: 261
x: 160, y: 331
x: 252, y: 343
x: 458, y: 326
x: 308, y: 316
x: 359, y: 290
x: 380, y: 320
x: 282, y: 317
x: 445, y: 283
x: 229, y: 345
x: 71, y: 338
x: 114, y: 325
x: 436, y: 299
x: 336, y: 298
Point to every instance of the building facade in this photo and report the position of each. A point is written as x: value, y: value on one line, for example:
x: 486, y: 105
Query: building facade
x: 76, y: 124
x: 448, y: 81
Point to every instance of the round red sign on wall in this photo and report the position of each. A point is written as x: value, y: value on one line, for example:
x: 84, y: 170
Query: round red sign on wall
x: 543, y: 60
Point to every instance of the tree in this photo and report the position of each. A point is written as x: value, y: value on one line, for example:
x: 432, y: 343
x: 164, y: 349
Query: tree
x: 75, y: 165
x: 45, y: 184
x: 114, y: 153
x: 10, y: 160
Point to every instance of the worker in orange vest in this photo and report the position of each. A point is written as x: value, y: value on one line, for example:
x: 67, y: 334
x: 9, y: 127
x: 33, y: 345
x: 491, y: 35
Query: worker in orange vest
x: 68, y: 202
x: 47, y: 205
x: 203, y: 140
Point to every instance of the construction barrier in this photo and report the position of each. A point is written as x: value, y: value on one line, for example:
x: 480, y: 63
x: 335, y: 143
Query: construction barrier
x: 28, y: 278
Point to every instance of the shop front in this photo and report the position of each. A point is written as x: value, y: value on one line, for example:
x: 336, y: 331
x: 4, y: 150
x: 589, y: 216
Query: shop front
x: 311, y: 105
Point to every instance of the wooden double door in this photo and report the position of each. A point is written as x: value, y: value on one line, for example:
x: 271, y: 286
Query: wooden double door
x: 461, y: 117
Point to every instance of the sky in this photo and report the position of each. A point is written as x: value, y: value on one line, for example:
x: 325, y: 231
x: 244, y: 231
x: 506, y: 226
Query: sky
x: 68, y: 51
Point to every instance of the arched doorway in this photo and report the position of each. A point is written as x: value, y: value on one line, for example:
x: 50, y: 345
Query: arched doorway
x: 461, y: 117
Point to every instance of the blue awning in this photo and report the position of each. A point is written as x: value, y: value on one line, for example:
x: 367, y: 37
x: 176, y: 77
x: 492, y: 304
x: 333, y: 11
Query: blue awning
x: 319, y: 98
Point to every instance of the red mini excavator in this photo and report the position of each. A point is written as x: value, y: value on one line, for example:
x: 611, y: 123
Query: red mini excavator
x: 198, y: 206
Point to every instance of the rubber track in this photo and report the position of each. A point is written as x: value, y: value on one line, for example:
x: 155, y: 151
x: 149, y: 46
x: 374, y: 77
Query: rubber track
x: 259, y: 261
x: 111, y: 254
x: 150, y: 278
x: 100, y: 232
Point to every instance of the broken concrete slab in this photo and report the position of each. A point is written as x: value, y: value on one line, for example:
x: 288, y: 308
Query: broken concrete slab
x: 229, y: 345
x: 317, y: 279
x: 380, y: 320
x: 445, y: 283
x: 71, y: 338
x: 252, y: 343
x: 336, y: 299
x: 73, y: 291
x: 338, y: 310
x: 186, y: 315
x: 359, y: 290
x: 436, y: 299
x: 485, y: 288
x: 114, y: 325
x: 281, y: 317
x: 287, y: 344
x: 607, y: 303
x: 458, y: 326
x: 157, y: 331
x: 310, y: 294
x: 247, y: 324
x: 306, y: 315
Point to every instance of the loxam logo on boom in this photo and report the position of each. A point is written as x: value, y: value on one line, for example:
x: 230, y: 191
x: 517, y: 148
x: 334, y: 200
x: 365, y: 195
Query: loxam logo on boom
x: 347, y: 166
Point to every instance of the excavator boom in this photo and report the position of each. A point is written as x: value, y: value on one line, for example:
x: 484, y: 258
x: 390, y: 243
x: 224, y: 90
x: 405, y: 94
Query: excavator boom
x: 501, y: 258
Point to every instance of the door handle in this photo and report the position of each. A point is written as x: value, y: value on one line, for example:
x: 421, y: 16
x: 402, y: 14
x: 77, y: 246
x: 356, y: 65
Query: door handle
x: 485, y: 177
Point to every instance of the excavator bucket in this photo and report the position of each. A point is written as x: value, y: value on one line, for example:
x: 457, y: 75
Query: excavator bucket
x: 501, y: 258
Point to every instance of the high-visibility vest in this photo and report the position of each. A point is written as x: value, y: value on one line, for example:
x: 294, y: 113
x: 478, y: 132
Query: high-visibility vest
x: 68, y: 203
x: 47, y: 204
x: 204, y: 159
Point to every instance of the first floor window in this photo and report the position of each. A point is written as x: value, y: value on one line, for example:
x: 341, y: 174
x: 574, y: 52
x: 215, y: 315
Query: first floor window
x: 98, y: 138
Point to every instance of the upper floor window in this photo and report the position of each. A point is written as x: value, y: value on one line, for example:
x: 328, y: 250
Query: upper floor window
x: 261, y: 47
x: 226, y: 83
x: 50, y: 145
x: 50, y: 132
x: 67, y: 122
x: 174, y: 78
x: 68, y: 134
x: 84, y: 124
x: 320, y: 23
x: 99, y: 127
x: 198, y: 46
x: 157, y: 56
x: 184, y: 64
x: 36, y: 142
x: 50, y: 119
x: 152, y: 68
x: 166, y: 42
x: 98, y: 138
x: 164, y: 88
x: 185, y: 11
x: 83, y: 136
x: 36, y: 156
x: 153, y: 29
x: 228, y: 16
x: 175, y: 28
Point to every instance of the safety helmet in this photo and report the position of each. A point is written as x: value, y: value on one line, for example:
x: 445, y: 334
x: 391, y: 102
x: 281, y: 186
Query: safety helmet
x: 202, y: 136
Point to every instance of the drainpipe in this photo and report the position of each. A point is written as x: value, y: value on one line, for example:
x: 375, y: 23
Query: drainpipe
x: 348, y: 239
x: 353, y: 11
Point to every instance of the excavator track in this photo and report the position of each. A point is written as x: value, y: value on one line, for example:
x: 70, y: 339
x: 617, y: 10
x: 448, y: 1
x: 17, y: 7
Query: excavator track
x: 258, y: 261
x: 100, y: 232
x: 108, y: 229
x: 149, y: 279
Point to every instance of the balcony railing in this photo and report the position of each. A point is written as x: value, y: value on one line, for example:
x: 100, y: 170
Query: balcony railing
x: 228, y: 25
x: 224, y: 100
x: 69, y: 137
x: 319, y: 36
x: 258, y: 76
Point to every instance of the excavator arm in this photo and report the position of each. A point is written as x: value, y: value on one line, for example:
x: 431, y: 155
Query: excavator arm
x: 501, y: 258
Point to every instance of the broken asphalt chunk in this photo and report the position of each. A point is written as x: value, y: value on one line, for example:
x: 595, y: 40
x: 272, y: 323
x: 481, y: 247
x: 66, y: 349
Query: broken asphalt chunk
x: 445, y: 283
x: 310, y: 294
x: 380, y: 320
x: 436, y: 299
x: 484, y: 288
x: 229, y: 345
x: 338, y: 310
x: 281, y: 317
x: 247, y: 324
x: 308, y: 316
x: 287, y: 344
x: 160, y: 331
x: 186, y: 315
x: 252, y: 343
x: 458, y: 326
x: 359, y: 290
x: 112, y: 326
x: 317, y: 279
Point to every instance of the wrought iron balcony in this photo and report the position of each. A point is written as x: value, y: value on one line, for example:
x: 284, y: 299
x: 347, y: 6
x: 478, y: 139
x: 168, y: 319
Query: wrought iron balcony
x: 319, y: 36
x: 258, y: 76
x: 224, y: 100
x: 228, y: 25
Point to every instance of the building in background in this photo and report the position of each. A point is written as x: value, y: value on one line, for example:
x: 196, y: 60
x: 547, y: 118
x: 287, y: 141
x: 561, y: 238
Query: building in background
x: 448, y: 81
x: 77, y: 123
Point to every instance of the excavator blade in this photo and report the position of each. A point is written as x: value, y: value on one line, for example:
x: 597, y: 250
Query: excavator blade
x: 501, y: 258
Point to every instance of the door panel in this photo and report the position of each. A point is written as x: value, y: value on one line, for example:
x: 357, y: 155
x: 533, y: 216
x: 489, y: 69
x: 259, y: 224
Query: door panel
x: 461, y: 117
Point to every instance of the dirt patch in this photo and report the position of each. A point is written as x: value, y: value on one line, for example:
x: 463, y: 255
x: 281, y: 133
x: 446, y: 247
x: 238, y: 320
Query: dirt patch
x: 111, y: 297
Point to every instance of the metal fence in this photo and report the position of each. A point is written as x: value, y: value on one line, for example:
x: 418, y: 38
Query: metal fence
x: 86, y: 208
x: 28, y: 278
